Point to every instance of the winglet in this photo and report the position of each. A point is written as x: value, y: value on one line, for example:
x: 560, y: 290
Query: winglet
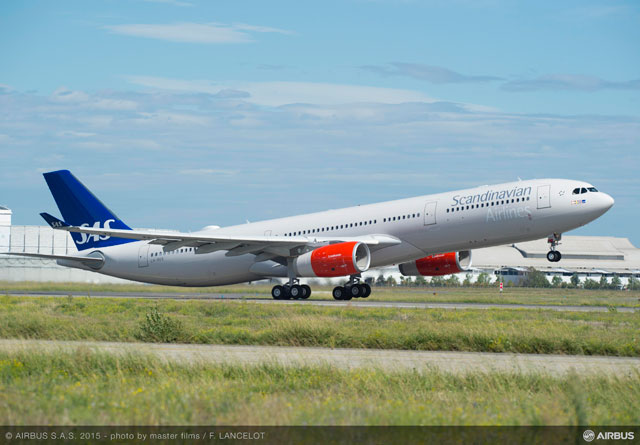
x: 53, y: 221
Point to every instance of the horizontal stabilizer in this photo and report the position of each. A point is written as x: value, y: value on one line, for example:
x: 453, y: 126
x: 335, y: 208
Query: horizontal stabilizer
x: 53, y: 221
x: 94, y: 261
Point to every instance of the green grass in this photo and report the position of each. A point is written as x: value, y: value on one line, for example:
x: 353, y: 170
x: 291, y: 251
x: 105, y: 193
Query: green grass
x: 43, y: 286
x: 85, y: 388
x: 219, y: 322
x: 408, y: 294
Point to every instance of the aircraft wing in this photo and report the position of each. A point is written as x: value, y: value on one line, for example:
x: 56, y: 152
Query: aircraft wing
x: 268, y: 245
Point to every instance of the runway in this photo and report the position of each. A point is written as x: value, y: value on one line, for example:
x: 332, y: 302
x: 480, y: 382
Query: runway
x: 323, y: 302
x: 388, y: 360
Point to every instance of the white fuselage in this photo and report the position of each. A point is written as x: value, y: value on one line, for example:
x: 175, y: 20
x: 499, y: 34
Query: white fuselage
x: 445, y: 222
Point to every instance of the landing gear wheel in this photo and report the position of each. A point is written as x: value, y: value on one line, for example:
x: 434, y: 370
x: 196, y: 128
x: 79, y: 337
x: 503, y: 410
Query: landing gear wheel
x: 339, y: 293
x: 306, y: 291
x: 366, y: 290
x: 277, y: 292
x: 554, y: 256
x: 354, y: 291
x: 296, y: 291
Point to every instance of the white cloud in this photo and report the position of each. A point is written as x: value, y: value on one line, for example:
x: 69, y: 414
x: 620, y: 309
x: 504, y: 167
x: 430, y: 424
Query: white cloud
x: 170, y: 2
x: 281, y: 93
x: 245, y: 27
x: 161, y: 118
x: 284, y: 92
x: 65, y: 95
x: 75, y: 134
x: 207, y: 172
x: 114, y: 104
x: 194, y: 32
x: 575, y: 82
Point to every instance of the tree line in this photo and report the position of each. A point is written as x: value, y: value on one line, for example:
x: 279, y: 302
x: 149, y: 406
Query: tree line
x: 533, y: 278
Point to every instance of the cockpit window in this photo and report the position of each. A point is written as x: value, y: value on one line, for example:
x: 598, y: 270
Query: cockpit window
x: 592, y: 189
x: 583, y: 190
x: 576, y: 191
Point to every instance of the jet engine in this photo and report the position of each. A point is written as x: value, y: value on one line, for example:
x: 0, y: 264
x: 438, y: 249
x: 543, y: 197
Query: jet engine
x: 439, y: 264
x: 334, y: 260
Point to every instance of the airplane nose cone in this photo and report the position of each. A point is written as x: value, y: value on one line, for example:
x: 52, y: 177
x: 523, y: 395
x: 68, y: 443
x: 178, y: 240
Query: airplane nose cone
x: 607, y: 202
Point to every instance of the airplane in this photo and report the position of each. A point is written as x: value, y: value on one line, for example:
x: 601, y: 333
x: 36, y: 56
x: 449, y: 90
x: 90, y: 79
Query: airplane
x: 427, y: 235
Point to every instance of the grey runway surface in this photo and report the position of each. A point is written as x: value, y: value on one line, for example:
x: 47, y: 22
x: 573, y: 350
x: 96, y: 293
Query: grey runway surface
x: 317, y: 302
x: 388, y: 360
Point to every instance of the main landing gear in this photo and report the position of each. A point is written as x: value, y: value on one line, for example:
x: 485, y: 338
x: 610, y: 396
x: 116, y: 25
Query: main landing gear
x: 553, y: 255
x: 353, y: 289
x: 293, y: 288
x: 291, y: 291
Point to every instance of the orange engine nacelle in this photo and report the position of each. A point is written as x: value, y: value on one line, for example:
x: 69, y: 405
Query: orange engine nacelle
x: 334, y: 260
x: 439, y: 264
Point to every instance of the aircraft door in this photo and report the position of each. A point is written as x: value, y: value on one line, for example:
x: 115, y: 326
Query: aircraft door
x: 143, y: 256
x: 430, y: 213
x: 544, y: 196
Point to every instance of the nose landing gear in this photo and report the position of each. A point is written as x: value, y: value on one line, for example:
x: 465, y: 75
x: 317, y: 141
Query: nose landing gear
x: 554, y: 255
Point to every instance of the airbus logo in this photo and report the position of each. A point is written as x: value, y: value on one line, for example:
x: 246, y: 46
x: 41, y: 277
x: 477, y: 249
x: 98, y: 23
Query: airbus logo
x: 590, y: 435
x: 95, y: 237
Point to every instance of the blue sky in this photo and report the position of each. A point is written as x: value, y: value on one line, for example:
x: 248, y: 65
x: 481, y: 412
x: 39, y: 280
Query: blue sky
x: 181, y: 113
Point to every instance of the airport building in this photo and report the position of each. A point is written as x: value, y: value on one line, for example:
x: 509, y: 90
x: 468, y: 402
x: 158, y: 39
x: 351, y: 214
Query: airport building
x: 587, y: 256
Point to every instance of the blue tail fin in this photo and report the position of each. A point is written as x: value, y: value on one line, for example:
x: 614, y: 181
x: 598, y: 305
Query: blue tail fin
x: 80, y: 207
